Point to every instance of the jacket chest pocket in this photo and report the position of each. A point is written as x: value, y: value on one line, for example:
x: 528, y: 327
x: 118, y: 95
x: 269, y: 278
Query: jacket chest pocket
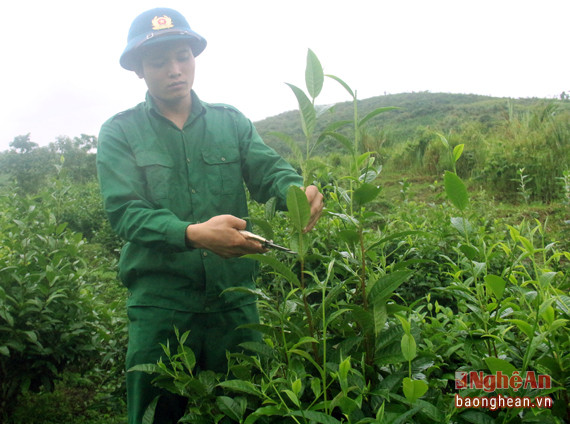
x: 157, y: 169
x: 223, y: 170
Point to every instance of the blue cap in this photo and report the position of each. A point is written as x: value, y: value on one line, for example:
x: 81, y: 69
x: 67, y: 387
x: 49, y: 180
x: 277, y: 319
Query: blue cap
x: 157, y: 26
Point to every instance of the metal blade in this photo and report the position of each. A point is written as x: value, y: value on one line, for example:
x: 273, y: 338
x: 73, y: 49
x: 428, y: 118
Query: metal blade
x: 265, y: 242
x: 281, y: 248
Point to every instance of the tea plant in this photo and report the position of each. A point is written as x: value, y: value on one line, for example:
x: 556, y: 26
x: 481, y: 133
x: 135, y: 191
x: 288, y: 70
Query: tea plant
x: 54, y: 316
x: 376, y: 313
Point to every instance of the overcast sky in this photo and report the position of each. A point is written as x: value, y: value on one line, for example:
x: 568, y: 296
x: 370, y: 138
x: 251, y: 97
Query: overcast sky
x: 61, y: 74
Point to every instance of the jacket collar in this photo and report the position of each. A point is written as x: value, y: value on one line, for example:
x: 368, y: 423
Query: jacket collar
x: 198, y: 108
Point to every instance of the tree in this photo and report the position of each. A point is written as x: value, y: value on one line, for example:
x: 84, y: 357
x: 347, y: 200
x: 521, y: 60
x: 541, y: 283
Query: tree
x: 23, y: 144
x: 78, y: 156
x: 27, y: 163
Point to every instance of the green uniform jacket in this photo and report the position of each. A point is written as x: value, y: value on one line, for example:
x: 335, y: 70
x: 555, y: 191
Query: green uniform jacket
x: 157, y: 179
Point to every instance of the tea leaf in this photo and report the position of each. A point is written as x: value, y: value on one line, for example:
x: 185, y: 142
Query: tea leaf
x: 370, y: 175
x: 306, y: 109
x: 462, y: 225
x: 277, y: 266
x: 189, y: 359
x: 457, y: 151
x: 230, y: 407
x: 443, y: 140
x: 408, y: 345
x: 398, y: 236
x: 386, y: 285
x: 263, y: 411
x: 260, y: 348
x: 374, y: 113
x: 304, y: 340
x: 548, y: 315
x: 240, y: 386
x: 496, y: 364
x: 308, y: 357
x: 342, y: 139
x: 343, y: 369
x: 148, y: 417
x: 469, y: 251
x: 297, y: 386
x: 414, y: 389
x: 298, y: 207
x: 366, y: 193
x: 380, y: 315
x: 555, y: 325
x: 147, y: 368
x: 349, y: 236
x: 496, y: 285
x: 293, y: 397
x: 344, y: 84
x: 405, y: 323
x: 316, y: 417
x: 546, y: 279
x: 314, y: 76
x: 524, y: 326
x: 365, y: 159
x: 456, y: 190
x: 477, y: 417
x: 322, y: 109
x: 316, y: 386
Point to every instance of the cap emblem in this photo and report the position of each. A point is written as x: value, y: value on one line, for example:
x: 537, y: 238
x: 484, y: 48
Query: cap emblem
x: 162, y: 22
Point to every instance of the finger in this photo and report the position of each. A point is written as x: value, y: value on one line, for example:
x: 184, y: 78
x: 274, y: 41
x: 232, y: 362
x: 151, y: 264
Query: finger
x: 238, y: 223
x: 312, y: 223
x: 316, y: 202
x: 311, y: 191
x: 253, y: 246
x: 313, y: 220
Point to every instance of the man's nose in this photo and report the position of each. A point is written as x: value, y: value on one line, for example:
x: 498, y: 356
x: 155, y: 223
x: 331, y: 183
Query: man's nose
x: 174, y: 69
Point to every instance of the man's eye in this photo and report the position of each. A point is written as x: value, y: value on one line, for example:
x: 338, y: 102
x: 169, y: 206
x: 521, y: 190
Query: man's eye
x: 183, y: 58
x: 157, y: 64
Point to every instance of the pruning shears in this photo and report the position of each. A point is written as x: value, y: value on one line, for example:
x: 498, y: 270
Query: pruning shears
x: 264, y: 242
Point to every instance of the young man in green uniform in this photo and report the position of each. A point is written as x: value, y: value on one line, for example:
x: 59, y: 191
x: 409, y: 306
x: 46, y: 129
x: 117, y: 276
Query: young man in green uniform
x: 172, y: 172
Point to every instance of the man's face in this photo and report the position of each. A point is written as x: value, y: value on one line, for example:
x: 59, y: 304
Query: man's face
x: 168, y: 70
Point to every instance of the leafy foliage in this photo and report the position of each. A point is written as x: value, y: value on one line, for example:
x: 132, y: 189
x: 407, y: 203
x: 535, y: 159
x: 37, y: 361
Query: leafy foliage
x: 384, y: 302
x: 52, y: 315
x: 347, y: 338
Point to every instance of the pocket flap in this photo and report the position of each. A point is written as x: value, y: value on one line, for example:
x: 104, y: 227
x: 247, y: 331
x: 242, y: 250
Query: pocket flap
x: 218, y: 157
x: 153, y: 158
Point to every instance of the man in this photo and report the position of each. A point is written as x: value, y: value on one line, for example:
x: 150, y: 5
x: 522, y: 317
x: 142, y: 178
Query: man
x: 172, y: 172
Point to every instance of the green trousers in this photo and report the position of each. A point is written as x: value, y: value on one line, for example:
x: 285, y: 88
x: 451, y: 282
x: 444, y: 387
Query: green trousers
x: 211, y: 334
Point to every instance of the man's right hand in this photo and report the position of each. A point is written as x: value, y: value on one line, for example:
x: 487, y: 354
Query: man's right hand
x: 220, y: 235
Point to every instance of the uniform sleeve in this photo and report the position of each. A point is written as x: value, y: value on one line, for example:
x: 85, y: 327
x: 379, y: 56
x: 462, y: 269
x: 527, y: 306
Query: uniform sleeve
x: 123, y: 186
x: 265, y: 172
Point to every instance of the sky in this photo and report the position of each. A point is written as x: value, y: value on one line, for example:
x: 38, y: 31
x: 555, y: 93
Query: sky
x: 61, y: 76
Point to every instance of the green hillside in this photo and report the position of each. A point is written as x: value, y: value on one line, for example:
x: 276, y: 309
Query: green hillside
x: 442, y: 112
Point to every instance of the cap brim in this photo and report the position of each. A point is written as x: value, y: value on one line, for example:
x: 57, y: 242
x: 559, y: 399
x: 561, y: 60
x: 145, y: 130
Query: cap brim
x: 129, y: 58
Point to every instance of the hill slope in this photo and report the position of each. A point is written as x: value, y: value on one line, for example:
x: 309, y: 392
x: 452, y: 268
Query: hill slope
x: 440, y: 111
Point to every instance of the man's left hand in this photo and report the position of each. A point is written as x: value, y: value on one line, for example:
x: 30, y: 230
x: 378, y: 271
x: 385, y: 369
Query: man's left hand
x: 315, y: 199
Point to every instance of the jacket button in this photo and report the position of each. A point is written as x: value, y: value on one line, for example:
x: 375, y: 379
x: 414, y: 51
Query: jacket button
x: 223, y: 159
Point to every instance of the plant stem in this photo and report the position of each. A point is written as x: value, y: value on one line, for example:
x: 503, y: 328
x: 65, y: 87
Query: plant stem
x: 308, y: 311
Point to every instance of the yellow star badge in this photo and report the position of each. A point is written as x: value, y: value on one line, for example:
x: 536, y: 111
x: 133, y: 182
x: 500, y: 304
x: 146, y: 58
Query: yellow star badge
x: 162, y: 22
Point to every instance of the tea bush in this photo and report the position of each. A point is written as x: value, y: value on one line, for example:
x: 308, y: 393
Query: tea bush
x: 372, y: 319
x: 387, y: 299
x: 52, y: 315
